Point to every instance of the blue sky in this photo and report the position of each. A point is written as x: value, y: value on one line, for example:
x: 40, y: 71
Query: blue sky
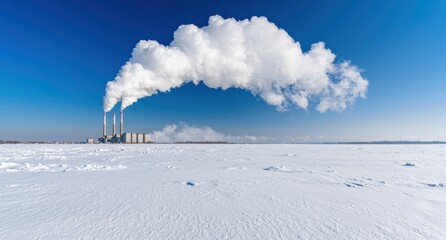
x: 55, y: 59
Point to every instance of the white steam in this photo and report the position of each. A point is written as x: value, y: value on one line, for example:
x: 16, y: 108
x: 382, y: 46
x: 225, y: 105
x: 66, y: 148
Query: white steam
x: 183, y: 132
x: 254, y: 55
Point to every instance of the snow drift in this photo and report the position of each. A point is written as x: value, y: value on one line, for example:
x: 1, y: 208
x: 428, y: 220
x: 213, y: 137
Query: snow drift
x: 252, y: 54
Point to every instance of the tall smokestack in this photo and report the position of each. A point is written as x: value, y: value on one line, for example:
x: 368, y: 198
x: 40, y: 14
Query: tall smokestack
x: 114, y: 124
x: 122, y: 123
x: 105, y: 125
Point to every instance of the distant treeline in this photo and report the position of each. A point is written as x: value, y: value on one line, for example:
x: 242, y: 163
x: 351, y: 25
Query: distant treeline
x: 203, y: 142
x: 55, y: 142
x: 391, y: 142
x: 222, y: 142
x: 34, y: 142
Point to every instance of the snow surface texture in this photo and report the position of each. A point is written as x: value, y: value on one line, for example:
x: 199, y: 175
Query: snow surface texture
x: 222, y: 192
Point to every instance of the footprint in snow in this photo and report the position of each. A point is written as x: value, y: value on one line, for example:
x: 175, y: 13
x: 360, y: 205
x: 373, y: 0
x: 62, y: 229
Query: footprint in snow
x: 192, y: 184
x: 408, y: 164
x: 353, y: 184
x: 436, y: 185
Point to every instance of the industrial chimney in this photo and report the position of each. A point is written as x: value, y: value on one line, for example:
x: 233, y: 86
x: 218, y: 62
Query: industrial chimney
x: 105, y: 125
x: 122, y: 123
x: 114, y: 124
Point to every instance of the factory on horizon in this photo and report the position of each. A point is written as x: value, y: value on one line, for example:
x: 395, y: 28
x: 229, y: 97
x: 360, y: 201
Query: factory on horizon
x: 121, y: 137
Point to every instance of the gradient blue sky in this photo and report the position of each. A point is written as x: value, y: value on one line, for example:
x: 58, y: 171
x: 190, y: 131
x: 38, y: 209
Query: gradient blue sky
x: 57, y: 56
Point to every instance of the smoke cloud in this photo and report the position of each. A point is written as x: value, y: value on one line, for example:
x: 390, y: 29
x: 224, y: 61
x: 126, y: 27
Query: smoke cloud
x: 252, y: 54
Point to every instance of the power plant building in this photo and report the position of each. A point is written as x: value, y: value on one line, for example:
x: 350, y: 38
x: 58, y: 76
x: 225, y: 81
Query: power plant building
x: 121, y: 137
x: 135, y: 138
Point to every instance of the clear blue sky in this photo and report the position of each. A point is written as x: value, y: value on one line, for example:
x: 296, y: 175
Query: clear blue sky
x: 57, y: 56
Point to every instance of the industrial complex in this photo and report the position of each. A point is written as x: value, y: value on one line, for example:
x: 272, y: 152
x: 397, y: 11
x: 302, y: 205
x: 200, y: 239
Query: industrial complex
x: 121, y: 137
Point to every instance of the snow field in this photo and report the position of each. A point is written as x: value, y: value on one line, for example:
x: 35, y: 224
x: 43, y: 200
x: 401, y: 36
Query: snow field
x: 222, y: 191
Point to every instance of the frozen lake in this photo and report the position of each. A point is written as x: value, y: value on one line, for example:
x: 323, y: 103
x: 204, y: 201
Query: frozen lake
x: 222, y: 191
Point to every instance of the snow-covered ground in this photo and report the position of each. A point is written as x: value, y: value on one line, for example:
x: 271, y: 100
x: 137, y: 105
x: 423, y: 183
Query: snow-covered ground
x: 222, y: 191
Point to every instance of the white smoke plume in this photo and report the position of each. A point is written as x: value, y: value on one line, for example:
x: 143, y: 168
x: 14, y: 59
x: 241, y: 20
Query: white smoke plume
x: 253, y: 55
x: 183, y: 132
